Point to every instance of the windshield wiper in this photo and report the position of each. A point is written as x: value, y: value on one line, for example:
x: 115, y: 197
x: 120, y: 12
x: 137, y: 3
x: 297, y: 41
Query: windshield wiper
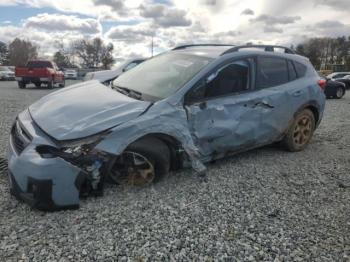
x: 129, y: 92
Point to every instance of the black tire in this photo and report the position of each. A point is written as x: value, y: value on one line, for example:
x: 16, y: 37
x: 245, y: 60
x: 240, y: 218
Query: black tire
x: 38, y: 84
x: 156, y: 151
x: 290, y: 139
x: 21, y: 85
x: 50, y: 84
x: 63, y: 84
x: 340, y: 92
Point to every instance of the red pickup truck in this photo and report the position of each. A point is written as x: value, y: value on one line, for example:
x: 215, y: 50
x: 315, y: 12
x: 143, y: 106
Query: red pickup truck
x: 39, y: 72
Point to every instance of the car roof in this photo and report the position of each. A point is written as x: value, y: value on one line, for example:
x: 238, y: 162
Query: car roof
x: 207, y: 51
x: 215, y: 51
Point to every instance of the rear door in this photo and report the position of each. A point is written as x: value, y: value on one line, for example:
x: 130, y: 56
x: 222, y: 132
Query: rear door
x: 277, y: 81
x: 224, y: 111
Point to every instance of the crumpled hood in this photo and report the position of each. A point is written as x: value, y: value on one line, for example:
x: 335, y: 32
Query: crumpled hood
x: 83, y: 110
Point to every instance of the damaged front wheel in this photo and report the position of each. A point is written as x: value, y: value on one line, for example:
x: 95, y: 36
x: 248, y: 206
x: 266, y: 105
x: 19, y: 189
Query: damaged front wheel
x: 143, y: 162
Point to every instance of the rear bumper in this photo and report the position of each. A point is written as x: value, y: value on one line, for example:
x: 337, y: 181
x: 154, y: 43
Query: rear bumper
x: 70, y: 76
x: 33, y: 79
x: 7, y: 78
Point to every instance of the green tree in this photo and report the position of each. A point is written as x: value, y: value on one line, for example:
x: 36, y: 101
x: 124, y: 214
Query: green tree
x: 62, y: 60
x: 94, y: 53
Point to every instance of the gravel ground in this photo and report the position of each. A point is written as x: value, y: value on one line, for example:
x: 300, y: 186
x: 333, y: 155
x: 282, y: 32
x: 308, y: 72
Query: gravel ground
x: 265, y: 204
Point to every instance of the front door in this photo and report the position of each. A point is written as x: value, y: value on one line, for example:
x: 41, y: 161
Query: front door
x: 224, y: 113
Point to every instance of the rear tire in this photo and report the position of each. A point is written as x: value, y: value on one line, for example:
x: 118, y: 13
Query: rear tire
x: 339, y: 93
x: 21, y: 85
x: 300, y: 132
x: 153, y: 150
x: 51, y: 84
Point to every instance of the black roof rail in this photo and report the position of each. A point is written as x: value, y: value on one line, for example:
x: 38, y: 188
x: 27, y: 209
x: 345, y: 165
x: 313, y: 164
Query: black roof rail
x: 267, y: 48
x: 193, y: 45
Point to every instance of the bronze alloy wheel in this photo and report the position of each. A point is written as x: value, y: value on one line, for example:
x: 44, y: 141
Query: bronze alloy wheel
x: 300, y: 132
x: 133, y: 169
x: 303, y: 131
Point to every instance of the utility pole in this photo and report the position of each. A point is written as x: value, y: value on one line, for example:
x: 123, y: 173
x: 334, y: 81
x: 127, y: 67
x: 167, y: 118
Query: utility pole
x: 152, y: 46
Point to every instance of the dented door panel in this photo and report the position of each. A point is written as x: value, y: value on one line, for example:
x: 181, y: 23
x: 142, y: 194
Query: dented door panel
x: 226, y: 124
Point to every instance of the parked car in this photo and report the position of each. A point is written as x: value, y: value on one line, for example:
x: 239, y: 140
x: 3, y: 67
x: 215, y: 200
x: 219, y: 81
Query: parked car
x: 183, y: 108
x: 71, y: 74
x: 107, y: 76
x: 345, y: 80
x: 6, y: 74
x: 39, y: 72
x: 337, y: 75
x: 335, y: 89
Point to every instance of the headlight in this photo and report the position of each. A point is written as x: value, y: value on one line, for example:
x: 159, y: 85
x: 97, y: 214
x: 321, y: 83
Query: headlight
x: 73, y: 149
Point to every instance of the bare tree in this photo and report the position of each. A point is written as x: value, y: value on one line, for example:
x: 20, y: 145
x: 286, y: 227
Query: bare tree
x: 4, y: 54
x: 20, y: 51
x: 325, y: 53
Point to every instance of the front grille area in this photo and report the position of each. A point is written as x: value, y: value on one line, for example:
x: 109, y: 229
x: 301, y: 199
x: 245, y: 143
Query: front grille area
x: 20, y: 138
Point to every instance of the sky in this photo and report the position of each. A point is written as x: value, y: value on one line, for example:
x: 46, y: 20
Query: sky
x: 131, y: 24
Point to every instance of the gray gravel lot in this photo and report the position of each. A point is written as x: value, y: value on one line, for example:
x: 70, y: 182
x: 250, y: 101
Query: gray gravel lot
x: 266, y: 204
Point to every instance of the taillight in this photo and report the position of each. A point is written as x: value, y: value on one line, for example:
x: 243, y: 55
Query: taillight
x: 322, y: 83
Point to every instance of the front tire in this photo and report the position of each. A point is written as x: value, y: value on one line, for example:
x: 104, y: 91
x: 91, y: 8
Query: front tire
x: 300, y: 132
x: 21, y: 85
x: 143, y: 162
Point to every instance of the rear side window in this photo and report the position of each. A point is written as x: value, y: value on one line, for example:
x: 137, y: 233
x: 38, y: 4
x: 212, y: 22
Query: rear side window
x: 271, y: 72
x: 291, y: 71
x: 300, y: 68
x: 39, y: 64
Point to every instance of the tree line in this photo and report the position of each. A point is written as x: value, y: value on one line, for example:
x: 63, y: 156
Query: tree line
x: 324, y: 53
x: 93, y: 53
x: 327, y: 53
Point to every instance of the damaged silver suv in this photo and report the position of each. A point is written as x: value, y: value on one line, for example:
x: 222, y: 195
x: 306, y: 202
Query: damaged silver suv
x: 185, y: 107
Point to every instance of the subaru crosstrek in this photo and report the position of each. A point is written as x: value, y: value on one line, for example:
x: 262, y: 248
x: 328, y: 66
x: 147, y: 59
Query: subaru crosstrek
x: 182, y: 108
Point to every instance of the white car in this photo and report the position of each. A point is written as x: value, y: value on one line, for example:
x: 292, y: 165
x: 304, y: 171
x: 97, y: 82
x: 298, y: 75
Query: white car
x: 338, y: 75
x: 6, y: 73
x: 70, y: 74
x: 106, y: 76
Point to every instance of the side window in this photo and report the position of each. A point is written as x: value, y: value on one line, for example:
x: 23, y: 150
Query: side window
x: 291, y: 71
x: 301, y: 69
x: 232, y: 78
x: 271, y: 72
